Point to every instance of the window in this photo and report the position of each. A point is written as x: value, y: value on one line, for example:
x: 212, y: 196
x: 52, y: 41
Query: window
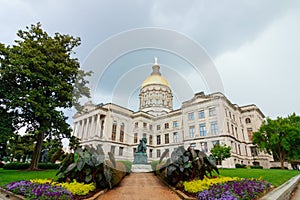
x: 202, y: 129
x: 134, y: 151
x: 226, y: 113
x: 136, y: 124
x: 193, y: 145
x: 144, y: 135
x: 158, y: 127
x: 150, y: 139
x: 249, y: 131
x: 156, y: 102
x: 212, y: 111
x: 145, y: 125
x: 237, y: 135
x: 167, y: 138
x: 216, y: 142
x: 168, y: 153
x: 253, y: 151
x: 192, y: 131
x: 175, y: 137
x: 233, y: 117
x: 135, y: 139
x: 175, y: 124
x: 150, y: 127
x: 163, y: 102
x: 122, y: 132
x: 239, y: 149
x: 121, y: 151
x: 228, y: 129
x: 112, y: 149
x: 158, y: 153
x: 191, y: 116
x: 166, y: 125
x: 158, y: 139
x: 204, y: 147
x: 232, y: 129
x: 151, y: 102
x: 248, y: 120
x: 201, y: 114
x: 114, y: 131
x: 214, y: 128
x: 150, y: 153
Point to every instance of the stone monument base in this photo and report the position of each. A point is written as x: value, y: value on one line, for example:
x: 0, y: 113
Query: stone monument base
x: 140, y: 158
x: 141, y: 168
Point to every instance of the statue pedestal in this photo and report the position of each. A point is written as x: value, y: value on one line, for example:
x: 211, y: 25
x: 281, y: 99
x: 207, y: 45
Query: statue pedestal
x: 141, y: 168
x: 140, y: 158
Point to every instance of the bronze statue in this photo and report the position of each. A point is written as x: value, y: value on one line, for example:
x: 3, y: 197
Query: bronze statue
x: 142, y: 146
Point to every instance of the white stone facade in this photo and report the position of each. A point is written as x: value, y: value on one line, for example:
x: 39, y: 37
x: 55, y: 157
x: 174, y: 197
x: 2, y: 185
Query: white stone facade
x: 201, y: 122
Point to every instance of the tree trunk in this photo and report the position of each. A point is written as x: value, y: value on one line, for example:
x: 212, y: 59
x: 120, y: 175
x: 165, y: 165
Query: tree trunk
x: 37, y: 152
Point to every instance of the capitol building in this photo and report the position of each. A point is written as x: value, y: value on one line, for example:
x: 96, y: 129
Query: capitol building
x: 201, y: 122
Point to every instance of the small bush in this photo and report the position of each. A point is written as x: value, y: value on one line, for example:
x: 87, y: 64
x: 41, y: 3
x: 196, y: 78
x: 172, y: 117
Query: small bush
x: 240, y: 165
x: 256, y: 167
x: 20, y: 166
x: 48, y: 166
x: 128, y: 165
x: 153, y: 164
x: 1, y: 164
x: 16, y: 166
x: 277, y: 168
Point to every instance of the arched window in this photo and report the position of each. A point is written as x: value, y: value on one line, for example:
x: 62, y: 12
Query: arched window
x: 248, y: 120
x: 114, y: 131
x: 122, y: 132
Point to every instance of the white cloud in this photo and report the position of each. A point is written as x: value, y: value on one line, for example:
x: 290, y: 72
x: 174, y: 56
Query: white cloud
x: 266, y: 71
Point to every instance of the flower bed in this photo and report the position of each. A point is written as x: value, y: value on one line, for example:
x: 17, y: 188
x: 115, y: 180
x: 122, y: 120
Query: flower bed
x: 47, y: 189
x: 225, y: 188
x: 38, y: 191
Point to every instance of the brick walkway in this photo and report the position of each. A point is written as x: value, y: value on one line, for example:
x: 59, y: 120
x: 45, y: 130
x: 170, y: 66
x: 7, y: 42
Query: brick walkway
x: 296, y: 195
x: 140, y: 186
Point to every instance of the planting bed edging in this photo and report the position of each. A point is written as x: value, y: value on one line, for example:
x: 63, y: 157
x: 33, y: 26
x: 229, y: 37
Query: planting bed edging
x: 284, y: 191
x: 9, y: 195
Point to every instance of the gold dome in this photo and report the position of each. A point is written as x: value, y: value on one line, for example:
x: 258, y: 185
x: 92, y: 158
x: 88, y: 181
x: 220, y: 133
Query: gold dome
x: 155, y: 79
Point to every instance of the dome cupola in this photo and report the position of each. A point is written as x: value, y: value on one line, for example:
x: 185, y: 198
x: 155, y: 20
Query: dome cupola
x: 155, y: 95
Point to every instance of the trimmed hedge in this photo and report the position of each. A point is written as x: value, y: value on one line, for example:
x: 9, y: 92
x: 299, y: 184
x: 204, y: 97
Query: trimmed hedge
x: 240, y: 165
x: 128, y: 165
x: 256, y: 167
x: 277, y: 168
x: 20, y: 166
x: 153, y: 165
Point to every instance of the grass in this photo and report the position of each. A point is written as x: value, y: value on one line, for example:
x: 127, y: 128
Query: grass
x: 274, y: 176
x: 7, y: 176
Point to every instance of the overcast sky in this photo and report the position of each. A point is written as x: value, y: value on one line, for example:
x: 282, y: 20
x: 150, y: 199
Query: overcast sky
x: 254, y: 44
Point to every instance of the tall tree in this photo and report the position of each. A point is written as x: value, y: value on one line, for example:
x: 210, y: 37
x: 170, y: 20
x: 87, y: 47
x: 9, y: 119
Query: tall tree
x: 37, y: 79
x: 221, y: 152
x: 280, y: 137
x: 6, y: 131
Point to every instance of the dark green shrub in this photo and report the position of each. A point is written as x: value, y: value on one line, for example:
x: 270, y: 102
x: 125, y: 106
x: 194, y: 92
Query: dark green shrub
x: 277, y: 168
x: 256, y: 167
x: 48, y: 166
x: 128, y: 165
x: 153, y: 164
x: 1, y: 164
x: 240, y: 165
x: 16, y: 166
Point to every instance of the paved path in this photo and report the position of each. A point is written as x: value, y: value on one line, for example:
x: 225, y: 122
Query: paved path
x: 296, y: 195
x: 140, y: 186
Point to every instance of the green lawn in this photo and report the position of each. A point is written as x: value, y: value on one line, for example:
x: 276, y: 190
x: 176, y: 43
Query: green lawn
x: 274, y: 176
x: 7, y: 176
